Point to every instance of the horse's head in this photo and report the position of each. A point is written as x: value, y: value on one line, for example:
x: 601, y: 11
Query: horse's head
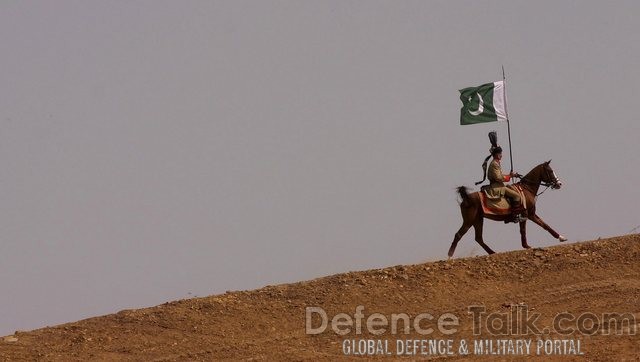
x: 549, y: 177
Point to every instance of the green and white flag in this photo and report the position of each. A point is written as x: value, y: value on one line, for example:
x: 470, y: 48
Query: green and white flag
x: 486, y: 103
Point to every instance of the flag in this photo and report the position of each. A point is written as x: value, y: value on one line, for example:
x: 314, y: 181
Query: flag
x: 486, y: 103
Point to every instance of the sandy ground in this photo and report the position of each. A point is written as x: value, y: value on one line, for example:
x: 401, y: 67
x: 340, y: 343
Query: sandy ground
x: 597, y: 278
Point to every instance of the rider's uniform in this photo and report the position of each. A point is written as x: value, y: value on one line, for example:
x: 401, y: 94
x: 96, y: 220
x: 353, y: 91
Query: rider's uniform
x: 497, y: 179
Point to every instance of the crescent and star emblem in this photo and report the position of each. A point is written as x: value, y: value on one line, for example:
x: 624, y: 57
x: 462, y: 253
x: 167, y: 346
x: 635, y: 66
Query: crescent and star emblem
x: 480, y: 106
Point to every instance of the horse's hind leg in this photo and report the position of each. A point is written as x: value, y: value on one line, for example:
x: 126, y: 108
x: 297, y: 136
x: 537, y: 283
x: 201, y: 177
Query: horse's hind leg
x: 478, y: 228
x: 463, y: 230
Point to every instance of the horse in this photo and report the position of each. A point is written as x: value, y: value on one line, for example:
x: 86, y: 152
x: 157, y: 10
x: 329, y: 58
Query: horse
x: 472, y: 214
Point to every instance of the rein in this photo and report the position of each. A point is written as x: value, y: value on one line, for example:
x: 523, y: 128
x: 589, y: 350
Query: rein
x: 542, y: 192
x: 525, y: 181
x: 541, y: 183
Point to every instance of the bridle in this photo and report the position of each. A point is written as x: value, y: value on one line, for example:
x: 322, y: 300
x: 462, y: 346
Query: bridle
x: 555, y: 181
x: 550, y: 175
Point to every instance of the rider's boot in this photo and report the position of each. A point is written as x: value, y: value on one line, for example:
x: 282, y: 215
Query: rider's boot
x: 518, y: 212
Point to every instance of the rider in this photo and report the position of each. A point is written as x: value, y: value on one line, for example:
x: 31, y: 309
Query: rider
x: 498, y: 187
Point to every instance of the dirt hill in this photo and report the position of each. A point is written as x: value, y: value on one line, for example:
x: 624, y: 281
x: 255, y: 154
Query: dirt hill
x: 597, y: 278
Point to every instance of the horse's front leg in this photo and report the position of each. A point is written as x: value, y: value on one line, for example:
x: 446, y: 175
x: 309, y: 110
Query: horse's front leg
x: 535, y: 218
x: 523, y: 234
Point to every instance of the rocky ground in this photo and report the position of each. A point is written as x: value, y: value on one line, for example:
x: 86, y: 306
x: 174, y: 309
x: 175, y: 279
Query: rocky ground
x: 596, y: 278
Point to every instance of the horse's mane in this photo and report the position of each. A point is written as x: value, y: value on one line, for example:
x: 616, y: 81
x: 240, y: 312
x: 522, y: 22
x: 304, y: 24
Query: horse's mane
x: 537, y: 169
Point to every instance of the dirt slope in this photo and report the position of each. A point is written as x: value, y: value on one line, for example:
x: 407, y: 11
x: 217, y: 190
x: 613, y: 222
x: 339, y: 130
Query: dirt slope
x: 599, y: 277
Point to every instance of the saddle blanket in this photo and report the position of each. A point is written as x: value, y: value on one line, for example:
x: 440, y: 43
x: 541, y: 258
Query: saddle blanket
x: 500, y: 206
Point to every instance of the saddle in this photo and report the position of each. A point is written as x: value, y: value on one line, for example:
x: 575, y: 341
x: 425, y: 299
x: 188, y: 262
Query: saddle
x: 496, y: 203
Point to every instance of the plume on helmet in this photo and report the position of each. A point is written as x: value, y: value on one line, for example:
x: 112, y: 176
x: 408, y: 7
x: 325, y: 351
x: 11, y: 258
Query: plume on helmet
x: 493, y: 138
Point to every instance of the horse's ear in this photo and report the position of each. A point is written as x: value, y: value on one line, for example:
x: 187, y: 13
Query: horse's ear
x: 548, y: 162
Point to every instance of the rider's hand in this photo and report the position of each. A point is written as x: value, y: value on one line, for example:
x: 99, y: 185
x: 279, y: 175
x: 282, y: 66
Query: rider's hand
x: 515, y: 174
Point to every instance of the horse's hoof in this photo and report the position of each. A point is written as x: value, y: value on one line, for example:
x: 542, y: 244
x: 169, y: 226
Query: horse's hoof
x: 562, y: 238
x: 526, y: 246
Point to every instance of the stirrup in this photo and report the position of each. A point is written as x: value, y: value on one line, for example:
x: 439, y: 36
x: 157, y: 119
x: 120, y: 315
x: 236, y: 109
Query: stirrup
x: 519, y: 218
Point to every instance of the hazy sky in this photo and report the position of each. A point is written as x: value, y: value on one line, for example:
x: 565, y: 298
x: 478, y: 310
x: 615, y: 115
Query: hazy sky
x: 157, y: 150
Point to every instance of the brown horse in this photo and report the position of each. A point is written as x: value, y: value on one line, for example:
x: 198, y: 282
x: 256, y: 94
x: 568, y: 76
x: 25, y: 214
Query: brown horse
x: 472, y: 214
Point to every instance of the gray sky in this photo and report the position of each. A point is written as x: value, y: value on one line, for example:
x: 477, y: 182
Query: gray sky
x: 156, y: 150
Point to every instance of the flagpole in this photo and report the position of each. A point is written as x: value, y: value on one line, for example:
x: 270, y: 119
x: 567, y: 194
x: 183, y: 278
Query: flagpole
x: 504, y: 79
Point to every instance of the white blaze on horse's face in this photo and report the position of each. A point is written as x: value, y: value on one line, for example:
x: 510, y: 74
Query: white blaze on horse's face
x: 557, y: 183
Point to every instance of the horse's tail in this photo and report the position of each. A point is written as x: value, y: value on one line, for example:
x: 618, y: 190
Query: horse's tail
x: 464, y: 195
